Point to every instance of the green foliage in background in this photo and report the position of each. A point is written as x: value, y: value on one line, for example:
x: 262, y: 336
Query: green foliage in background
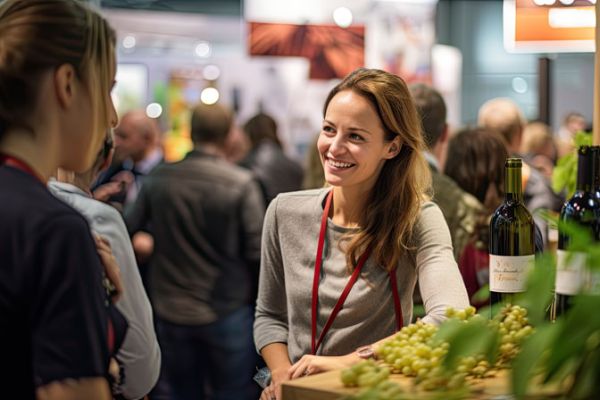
x: 564, y: 176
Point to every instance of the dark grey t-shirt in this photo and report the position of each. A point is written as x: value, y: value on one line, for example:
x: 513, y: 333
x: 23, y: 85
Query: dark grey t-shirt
x: 283, y: 310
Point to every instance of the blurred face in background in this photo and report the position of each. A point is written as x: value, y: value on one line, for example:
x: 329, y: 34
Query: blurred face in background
x: 130, y: 142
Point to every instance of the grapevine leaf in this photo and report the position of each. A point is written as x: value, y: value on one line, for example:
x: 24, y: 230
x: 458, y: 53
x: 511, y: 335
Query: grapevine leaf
x: 539, y: 290
x: 524, y: 365
x: 466, y: 339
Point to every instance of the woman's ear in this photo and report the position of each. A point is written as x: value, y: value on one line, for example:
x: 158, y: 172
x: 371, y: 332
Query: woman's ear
x: 394, y: 148
x: 65, y: 80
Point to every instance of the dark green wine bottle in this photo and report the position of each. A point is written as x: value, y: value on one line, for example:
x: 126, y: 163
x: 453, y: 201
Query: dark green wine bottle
x: 512, y: 233
x: 583, y: 209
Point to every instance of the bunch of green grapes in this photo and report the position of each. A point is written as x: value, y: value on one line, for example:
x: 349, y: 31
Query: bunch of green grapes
x: 462, y: 315
x: 366, y: 373
x: 513, y: 326
x: 413, y: 352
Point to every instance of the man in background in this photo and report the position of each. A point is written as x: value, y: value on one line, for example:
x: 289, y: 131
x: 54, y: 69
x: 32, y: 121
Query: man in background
x: 137, y: 152
x: 207, y: 219
x: 460, y: 209
x: 274, y: 170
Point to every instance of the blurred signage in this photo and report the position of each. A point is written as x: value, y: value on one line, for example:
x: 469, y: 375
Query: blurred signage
x: 333, y: 52
x: 549, y: 26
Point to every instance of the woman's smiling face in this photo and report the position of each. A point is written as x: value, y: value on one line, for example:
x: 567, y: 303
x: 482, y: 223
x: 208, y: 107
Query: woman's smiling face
x: 352, y: 143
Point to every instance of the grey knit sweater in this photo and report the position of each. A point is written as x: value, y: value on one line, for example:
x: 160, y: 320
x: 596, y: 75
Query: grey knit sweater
x: 283, y: 309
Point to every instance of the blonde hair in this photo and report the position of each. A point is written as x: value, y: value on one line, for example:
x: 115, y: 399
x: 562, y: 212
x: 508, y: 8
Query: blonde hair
x: 394, y: 203
x: 39, y: 35
x: 502, y: 115
x: 536, y: 136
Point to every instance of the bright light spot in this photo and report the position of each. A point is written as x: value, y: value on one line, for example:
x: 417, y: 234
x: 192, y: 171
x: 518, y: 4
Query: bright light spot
x: 129, y: 42
x: 567, y: 2
x: 571, y: 18
x: 211, y: 72
x: 203, y: 49
x: 154, y: 110
x: 342, y: 17
x: 209, y: 95
x: 519, y: 85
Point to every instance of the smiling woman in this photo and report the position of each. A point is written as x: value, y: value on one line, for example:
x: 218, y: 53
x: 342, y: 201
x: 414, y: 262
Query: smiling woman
x: 371, y: 234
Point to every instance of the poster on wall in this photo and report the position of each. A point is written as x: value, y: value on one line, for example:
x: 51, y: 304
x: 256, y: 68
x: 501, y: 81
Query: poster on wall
x: 332, y: 51
x: 400, y: 39
x: 549, y: 26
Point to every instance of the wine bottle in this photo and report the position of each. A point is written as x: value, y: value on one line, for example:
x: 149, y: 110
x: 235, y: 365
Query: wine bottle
x: 582, y: 209
x: 511, y: 244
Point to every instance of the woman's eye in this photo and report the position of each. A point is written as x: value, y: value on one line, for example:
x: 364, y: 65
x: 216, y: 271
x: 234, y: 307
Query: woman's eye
x: 328, y: 129
x: 355, y: 136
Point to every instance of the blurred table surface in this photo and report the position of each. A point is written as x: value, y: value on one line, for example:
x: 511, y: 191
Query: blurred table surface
x: 328, y: 386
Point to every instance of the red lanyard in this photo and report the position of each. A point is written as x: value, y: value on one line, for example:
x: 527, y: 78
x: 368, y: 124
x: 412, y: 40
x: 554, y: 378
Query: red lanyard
x: 353, y: 278
x: 16, y: 163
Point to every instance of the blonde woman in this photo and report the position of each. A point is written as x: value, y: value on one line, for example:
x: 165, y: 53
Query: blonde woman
x: 352, y: 253
x: 57, y: 67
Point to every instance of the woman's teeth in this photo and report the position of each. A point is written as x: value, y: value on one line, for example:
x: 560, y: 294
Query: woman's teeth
x: 339, y: 164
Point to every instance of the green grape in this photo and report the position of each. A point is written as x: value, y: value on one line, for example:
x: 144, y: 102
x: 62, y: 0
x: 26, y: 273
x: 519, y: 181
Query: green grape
x: 349, y: 377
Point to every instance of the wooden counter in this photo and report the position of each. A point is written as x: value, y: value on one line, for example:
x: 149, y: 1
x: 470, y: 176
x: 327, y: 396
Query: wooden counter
x: 328, y: 386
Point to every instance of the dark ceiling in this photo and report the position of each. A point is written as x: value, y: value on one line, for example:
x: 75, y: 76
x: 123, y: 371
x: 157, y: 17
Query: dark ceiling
x: 214, y: 7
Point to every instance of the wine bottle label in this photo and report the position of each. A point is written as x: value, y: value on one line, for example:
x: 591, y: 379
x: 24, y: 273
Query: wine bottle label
x: 508, y: 273
x: 571, y: 272
x: 592, y: 285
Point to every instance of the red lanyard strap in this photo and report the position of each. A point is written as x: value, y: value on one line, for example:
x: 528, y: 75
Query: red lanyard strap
x: 20, y: 165
x: 353, y: 278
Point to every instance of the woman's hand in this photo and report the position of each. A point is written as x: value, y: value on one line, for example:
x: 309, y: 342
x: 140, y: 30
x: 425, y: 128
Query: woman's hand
x: 309, y: 364
x: 111, y: 268
x: 273, y: 391
x: 269, y: 393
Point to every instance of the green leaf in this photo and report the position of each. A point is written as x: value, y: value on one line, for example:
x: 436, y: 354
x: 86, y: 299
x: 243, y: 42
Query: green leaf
x: 530, y: 357
x: 539, y: 289
x: 581, y: 323
x: 468, y: 338
x: 483, y: 294
x: 586, y: 378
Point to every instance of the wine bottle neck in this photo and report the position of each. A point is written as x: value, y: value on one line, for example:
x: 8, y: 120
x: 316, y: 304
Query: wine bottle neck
x: 513, y: 185
x: 585, y: 170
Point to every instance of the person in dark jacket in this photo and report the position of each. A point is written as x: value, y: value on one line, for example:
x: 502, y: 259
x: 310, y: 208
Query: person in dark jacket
x: 207, y: 219
x: 275, y: 171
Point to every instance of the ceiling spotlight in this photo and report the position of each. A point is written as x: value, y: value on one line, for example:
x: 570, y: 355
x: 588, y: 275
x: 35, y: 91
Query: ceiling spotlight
x: 129, y: 42
x: 211, y: 72
x: 154, y: 110
x: 203, y: 49
x: 209, y: 95
x: 519, y: 85
x: 342, y: 16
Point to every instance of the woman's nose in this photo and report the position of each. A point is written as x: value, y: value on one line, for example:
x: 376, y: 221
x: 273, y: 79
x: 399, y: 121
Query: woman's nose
x: 337, y: 144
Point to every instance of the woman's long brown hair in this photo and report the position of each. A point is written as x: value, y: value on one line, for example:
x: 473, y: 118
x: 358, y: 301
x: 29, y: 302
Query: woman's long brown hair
x: 394, y: 203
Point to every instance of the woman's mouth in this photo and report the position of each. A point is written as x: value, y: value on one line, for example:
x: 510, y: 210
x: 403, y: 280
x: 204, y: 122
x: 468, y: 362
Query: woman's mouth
x: 339, y: 164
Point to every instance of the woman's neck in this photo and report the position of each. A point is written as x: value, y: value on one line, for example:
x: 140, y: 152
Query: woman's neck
x: 348, y: 206
x: 39, y: 152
